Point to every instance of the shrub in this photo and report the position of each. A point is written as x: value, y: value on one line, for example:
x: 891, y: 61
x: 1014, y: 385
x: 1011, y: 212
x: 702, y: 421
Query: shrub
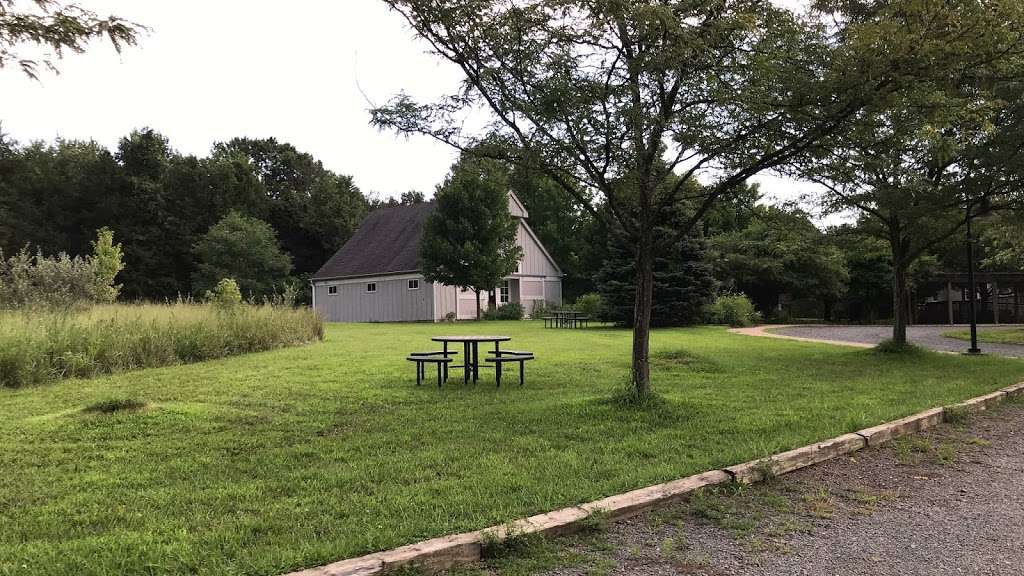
x: 41, y: 346
x: 61, y: 281
x: 541, y: 309
x: 511, y: 311
x: 590, y: 305
x: 225, y: 294
x: 734, y: 309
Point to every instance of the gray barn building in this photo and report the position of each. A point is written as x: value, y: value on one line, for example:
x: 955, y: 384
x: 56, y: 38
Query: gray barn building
x: 376, y: 276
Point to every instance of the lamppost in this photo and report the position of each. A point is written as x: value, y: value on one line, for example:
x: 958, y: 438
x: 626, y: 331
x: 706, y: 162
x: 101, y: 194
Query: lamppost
x: 973, y: 287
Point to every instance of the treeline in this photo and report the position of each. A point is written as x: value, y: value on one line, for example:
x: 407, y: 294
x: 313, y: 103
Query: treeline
x: 182, y: 219
x: 776, y: 255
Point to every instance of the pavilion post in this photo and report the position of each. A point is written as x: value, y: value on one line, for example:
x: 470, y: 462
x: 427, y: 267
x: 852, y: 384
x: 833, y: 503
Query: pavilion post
x: 995, y: 302
x: 949, y: 301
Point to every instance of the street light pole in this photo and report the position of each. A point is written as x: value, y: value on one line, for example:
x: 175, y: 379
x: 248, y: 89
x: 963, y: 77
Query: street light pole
x: 973, y: 288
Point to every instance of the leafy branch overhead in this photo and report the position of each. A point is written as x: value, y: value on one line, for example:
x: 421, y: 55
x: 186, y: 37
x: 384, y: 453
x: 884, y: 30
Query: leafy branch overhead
x: 60, y: 28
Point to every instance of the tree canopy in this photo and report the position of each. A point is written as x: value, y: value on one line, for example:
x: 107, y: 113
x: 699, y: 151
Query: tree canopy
x: 609, y: 98
x: 159, y: 202
x: 947, y: 148
x: 244, y: 249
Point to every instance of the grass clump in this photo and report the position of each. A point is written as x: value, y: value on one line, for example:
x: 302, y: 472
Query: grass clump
x: 902, y: 348
x: 114, y: 405
x: 43, y: 346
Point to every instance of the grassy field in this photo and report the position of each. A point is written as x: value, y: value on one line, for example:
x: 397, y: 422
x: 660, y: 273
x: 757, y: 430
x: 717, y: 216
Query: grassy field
x: 39, y: 346
x: 277, y: 460
x: 991, y: 335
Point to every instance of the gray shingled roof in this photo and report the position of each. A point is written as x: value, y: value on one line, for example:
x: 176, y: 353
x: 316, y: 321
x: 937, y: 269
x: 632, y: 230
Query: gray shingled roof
x: 387, y: 241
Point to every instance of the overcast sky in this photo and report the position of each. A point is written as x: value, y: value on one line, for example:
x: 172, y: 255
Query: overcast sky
x: 300, y: 71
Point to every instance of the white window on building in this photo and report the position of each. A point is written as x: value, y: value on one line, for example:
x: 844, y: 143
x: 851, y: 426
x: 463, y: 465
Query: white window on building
x: 414, y: 284
x: 371, y: 287
x: 504, y: 293
x: 332, y: 290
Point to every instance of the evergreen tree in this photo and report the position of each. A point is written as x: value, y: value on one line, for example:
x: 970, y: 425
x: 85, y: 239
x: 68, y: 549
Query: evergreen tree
x: 683, y: 280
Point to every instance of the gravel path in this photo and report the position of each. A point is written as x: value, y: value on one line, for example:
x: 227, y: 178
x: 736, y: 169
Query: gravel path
x: 927, y: 336
x: 950, y: 501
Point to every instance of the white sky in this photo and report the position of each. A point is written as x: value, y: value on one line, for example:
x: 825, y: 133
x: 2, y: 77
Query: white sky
x: 299, y: 71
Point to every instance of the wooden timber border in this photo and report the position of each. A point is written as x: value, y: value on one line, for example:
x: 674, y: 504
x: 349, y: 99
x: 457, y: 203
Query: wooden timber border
x: 447, y: 552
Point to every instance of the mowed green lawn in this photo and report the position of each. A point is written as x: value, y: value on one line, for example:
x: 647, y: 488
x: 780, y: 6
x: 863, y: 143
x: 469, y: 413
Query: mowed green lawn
x: 991, y: 335
x: 279, y: 460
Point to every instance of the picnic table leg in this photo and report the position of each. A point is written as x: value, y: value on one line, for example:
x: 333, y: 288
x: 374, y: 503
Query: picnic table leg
x: 476, y: 360
x: 419, y: 366
x: 439, y: 375
x: 521, y: 372
x: 497, y: 374
x: 446, y: 364
x: 465, y: 362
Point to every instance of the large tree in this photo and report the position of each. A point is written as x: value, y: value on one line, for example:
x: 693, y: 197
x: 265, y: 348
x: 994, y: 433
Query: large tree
x: 780, y: 251
x: 244, y: 249
x: 60, y: 28
x: 609, y: 97
x: 312, y: 209
x: 948, y: 149
x: 469, y: 240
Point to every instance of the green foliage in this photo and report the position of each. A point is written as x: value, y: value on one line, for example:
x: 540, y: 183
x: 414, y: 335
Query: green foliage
x: 779, y: 251
x: 38, y: 347
x: 590, y: 305
x: 510, y: 311
x: 159, y: 203
x: 245, y: 249
x: 225, y: 295
x: 596, y: 99
x: 57, y: 29
x: 683, y: 280
x: 470, y: 238
x: 733, y: 309
x: 108, y: 261
x: 62, y: 281
x: 948, y: 140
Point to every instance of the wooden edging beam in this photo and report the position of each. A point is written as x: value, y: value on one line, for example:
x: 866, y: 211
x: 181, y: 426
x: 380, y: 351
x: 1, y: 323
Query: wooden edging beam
x: 447, y: 552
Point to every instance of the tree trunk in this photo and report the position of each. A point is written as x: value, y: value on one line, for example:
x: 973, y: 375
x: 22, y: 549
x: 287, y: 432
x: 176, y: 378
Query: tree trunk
x: 900, y: 306
x: 642, y: 313
x: 477, y: 292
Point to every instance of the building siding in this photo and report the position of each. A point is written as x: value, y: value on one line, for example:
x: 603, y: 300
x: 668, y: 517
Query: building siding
x: 535, y: 262
x: 392, y: 302
x: 537, y: 281
x: 445, y: 301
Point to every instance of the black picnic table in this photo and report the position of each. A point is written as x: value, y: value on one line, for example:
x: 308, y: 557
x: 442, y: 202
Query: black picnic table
x: 565, y: 318
x: 471, y: 351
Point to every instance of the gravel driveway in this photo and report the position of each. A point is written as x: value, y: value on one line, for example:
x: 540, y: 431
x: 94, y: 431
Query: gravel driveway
x: 950, y: 501
x: 927, y: 336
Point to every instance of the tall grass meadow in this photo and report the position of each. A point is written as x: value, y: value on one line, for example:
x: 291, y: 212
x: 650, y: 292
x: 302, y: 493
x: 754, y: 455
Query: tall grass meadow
x: 39, y: 346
